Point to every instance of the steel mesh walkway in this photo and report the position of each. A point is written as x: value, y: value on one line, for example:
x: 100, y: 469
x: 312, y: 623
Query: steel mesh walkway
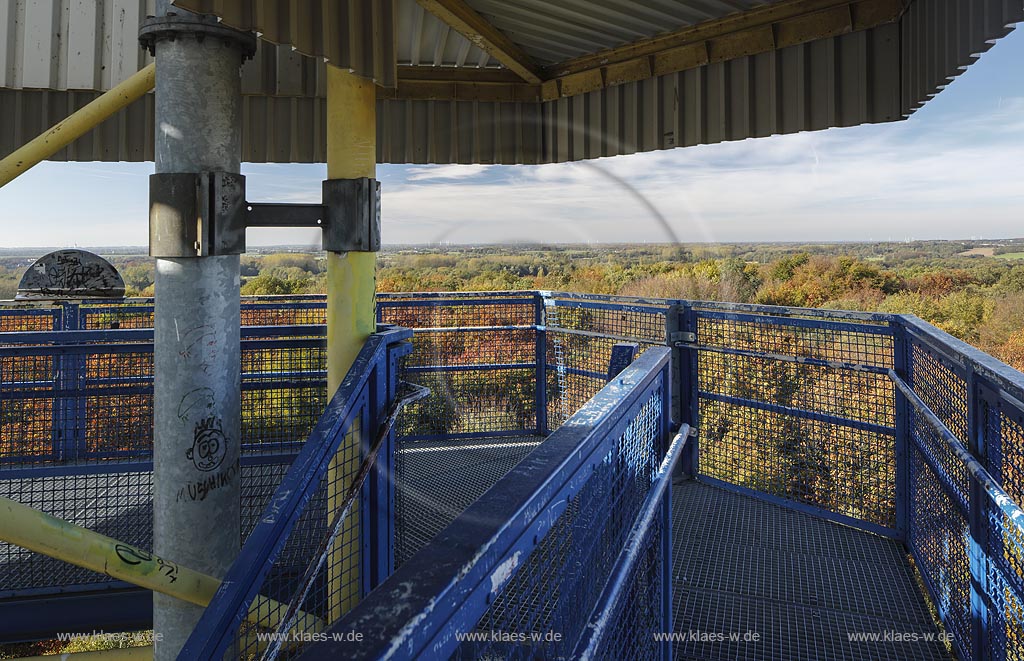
x: 802, y: 584
x: 437, y: 480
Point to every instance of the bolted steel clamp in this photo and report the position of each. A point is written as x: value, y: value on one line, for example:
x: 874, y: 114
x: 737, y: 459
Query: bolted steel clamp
x: 174, y: 25
x: 205, y: 214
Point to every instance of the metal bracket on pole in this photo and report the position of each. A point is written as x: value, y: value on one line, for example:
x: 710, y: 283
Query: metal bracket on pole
x: 205, y: 214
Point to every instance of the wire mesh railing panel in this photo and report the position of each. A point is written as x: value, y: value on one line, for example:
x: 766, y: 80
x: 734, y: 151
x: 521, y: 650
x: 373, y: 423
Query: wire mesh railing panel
x: 939, y: 536
x: 284, y: 392
x: 255, y: 311
x: 117, y: 502
x: 801, y: 409
x: 833, y: 342
x: 579, y: 333
x: 632, y: 635
x: 477, y: 353
x: 333, y: 588
x: 1005, y: 582
x: 27, y: 407
x: 452, y: 310
x: 559, y: 585
x: 833, y: 467
x: 940, y: 387
x: 17, y: 317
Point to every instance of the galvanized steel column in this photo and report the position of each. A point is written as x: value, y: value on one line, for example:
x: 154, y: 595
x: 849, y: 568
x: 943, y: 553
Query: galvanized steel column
x: 197, y: 427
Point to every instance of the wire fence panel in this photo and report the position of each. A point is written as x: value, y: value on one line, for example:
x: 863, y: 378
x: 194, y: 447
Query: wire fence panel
x: 477, y: 355
x: 801, y: 409
x: 966, y: 531
x: 76, y: 423
x: 579, y: 332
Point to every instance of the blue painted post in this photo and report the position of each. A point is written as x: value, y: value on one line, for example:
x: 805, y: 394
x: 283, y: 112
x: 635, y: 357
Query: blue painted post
x: 541, y: 374
x: 623, y: 353
x: 978, y: 541
x: 69, y: 406
x: 901, y: 356
x: 681, y: 331
x: 375, y: 504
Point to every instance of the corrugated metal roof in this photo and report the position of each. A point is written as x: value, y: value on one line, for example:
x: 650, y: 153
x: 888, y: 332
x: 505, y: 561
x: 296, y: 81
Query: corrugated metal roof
x: 943, y: 38
x: 70, y: 44
x: 551, y: 32
x: 423, y: 39
x: 873, y: 75
x: 352, y: 34
x: 843, y: 81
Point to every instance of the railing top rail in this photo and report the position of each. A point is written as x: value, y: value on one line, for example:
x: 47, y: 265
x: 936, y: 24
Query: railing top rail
x: 509, y: 293
x: 131, y: 335
x: 398, y: 618
x: 967, y: 357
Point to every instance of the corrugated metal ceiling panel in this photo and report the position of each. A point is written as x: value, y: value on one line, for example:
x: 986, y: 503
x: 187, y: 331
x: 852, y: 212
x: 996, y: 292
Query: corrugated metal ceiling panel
x: 70, y: 44
x: 843, y: 81
x: 551, y: 32
x: 942, y: 38
x: 352, y: 34
x: 424, y: 39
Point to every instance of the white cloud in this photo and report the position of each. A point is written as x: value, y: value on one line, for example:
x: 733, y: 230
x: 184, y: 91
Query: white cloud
x: 425, y: 173
x: 959, y: 178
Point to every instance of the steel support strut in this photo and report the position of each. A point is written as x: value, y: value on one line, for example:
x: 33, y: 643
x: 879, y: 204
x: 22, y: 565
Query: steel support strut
x: 197, y: 427
x: 351, y: 284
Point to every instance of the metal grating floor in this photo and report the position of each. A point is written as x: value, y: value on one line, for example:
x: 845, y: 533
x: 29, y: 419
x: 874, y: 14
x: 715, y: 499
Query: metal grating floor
x: 803, y: 584
x: 437, y: 480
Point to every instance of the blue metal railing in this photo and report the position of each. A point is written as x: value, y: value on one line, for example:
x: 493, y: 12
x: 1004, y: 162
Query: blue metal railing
x: 522, y: 570
x: 861, y: 418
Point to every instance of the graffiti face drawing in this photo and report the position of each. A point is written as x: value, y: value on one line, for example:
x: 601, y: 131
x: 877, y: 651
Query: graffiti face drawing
x: 209, y: 445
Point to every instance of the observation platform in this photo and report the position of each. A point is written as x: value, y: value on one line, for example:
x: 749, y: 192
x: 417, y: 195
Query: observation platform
x: 601, y: 468
x: 788, y: 584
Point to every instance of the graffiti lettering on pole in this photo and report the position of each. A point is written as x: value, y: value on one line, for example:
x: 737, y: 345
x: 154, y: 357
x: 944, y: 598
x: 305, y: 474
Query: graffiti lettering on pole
x: 198, y: 490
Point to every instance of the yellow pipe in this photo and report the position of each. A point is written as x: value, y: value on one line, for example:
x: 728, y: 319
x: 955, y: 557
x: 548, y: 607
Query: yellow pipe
x: 43, y: 533
x: 351, y: 284
x: 79, y: 123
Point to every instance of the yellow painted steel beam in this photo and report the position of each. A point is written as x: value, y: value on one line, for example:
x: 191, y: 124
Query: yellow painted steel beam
x: 43, y: 533
x: 79, y: 123
x: 351, y: 284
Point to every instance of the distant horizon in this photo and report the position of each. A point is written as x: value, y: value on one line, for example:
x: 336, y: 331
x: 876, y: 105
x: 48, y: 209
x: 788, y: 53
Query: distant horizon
x: 142, y: 250
x: 796, y: 242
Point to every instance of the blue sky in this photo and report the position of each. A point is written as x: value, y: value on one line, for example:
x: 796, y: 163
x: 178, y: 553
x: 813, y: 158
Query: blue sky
x: 955, y: 169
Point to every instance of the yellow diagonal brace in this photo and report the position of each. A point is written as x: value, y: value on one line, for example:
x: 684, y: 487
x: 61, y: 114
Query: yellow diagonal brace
x: 43, y: 533
x: 77, y: 124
